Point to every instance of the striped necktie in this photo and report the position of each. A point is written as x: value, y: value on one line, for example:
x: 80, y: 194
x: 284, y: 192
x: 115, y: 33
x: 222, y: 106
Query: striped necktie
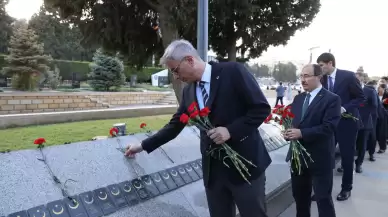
x: 205, y: 96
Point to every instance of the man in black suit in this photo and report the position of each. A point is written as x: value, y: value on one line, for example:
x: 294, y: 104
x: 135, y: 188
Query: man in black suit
x: 366, y: 110
x: 238, y: 113
x: 347, y: 87
x: 372, y: 140
x: 382, y: 121
x: 317, y: 113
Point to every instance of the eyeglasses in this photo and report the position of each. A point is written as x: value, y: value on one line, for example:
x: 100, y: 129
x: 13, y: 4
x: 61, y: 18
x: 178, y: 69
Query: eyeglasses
x: 304, y: 76
x: 175, y: 70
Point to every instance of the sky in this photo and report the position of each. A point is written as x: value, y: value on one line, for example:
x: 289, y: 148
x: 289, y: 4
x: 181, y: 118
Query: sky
x: 352, y: 29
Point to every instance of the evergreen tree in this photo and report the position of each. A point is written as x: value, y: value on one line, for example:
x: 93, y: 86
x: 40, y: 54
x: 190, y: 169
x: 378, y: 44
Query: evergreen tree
x: 106, y: 72
x: 26, y: 62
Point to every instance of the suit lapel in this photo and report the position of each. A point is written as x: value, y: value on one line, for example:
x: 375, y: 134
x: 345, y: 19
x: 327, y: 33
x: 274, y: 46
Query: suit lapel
x: 324, y: 81
x: 192, y: 94
x: 214, y: 84
x: 315, y: 101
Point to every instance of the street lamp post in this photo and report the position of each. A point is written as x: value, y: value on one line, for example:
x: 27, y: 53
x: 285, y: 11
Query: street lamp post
x: 202, y: 28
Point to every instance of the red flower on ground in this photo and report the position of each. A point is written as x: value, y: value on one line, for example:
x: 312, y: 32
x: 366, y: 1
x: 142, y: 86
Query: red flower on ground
x: 39, y: 141
x: 192, y: 107
x: 142, y: 125
x: 184, y: 118
x: 113, y: 131
x: 204, y: 112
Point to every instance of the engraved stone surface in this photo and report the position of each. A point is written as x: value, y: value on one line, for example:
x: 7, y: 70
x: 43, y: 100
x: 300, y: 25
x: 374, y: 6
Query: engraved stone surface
x: 101, y: 171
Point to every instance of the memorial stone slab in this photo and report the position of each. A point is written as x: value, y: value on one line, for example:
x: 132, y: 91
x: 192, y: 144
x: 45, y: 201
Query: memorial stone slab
x: 75, y: 207
x: 39, y: 211
x: 108, y: 183
x: 91, y: 204
x: 57, y: 209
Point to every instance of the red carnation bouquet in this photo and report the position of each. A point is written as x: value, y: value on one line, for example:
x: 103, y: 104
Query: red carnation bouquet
x: 148, y: 133
x: 200, y: 119
x: 297, y: 154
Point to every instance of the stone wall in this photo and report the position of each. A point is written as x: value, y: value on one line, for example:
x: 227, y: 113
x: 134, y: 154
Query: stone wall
x: 16, y: 103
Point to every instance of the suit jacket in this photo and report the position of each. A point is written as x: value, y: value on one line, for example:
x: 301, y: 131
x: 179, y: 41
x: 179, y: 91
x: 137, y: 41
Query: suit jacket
x: 385, y: 95
x: 368, y: 108
x: 348, y: 88
x: 237, y: 103
x: 318, y: 127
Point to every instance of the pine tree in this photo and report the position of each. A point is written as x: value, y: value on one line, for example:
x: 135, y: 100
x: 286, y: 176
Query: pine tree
x: 106, y: 72
x: 26, y: 62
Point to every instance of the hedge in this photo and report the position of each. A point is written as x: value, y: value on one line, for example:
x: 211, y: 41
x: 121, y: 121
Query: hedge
x: 66, y: 69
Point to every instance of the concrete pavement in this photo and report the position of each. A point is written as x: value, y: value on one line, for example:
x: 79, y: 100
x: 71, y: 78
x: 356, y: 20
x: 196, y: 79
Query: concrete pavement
x: 369, y: 195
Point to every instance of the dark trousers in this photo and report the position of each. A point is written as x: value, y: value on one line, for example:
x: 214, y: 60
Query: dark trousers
x: 322, y: 183
x: 347, y: 144
x: 361, y: 144
x: 381, y: 134
x: 223, y: 196
x: 372, y: 139
x: 279, y: 98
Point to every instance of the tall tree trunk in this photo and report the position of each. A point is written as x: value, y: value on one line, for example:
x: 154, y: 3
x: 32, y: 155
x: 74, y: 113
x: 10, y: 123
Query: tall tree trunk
x: 170, y: 33
x: 232, y: 51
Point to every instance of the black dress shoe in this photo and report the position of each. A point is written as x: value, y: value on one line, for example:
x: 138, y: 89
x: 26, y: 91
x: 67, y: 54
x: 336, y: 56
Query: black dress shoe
x: 372, y: 158
x: 340, y: 169
x: 381, y: 151
x: 358, y: 169
x: 313, y: 198
x: 343, y: 195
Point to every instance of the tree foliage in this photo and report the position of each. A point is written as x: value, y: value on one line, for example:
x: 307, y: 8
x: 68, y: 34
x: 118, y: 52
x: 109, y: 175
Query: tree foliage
x: 5, y: 26
x: 61, y: 39
x: 128, y: 26
x: 106, y: 72
x: 257, y: 23
x: 26, y: 62
x: 285, y: 72
x: 260, y: 70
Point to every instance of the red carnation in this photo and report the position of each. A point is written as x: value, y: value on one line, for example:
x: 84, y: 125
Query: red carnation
x: 385, y: 101
x: 113, y: 131
x: 39, y: 141
x: 192, y: 107
x: 204, y: 112
x: 194, y: 115
x: 290, y: 115
x: 184, y: 118
x: 142, y: 125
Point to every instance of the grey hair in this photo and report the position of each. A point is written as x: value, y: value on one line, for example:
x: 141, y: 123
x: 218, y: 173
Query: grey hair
x: 178, y: 50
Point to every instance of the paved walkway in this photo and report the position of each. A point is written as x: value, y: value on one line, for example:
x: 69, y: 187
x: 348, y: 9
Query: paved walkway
x: 369, y: 196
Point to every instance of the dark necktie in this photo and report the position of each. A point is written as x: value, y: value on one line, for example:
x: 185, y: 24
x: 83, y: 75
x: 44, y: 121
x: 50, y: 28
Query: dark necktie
x: 331, y: 85
x: 205, y: 96
x: 305, y: 104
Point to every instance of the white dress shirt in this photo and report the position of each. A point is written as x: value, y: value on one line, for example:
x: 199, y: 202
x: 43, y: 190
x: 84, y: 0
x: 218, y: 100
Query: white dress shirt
x: 206, y: 77
x: 314, y: 93
x: 332, y: 77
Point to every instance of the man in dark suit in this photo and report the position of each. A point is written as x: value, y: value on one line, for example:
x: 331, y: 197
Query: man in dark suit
x: 317, y: 114
x: 345, y: 85
x: 372, y: 140
x: 238, y: 112
x: 381, y: 122
x: 366, y: 110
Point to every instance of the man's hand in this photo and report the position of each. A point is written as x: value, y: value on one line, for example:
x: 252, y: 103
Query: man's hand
x: 293, y: 134
x: 219, y: 135
x: 343, y: 110
x: 133, y: 149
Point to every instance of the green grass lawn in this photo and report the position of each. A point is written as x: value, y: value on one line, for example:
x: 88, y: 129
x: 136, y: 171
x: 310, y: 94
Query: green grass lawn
x: 56, y: 134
